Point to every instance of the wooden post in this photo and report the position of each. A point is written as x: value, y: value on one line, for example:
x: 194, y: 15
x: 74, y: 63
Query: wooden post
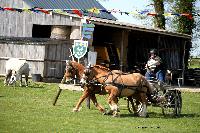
x: 56, y: 98
x: 183, y: 71
x: 122, y: 51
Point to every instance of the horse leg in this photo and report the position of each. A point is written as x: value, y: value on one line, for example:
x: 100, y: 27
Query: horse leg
x: 143, y: 110
x: 98, y: 106
x: 82, y: 98
x: 112, y: 101
x: 7, y: 77
x: 63, y: 79
x: 130, y: 98
x: 20, y: 77
x: 26, y: 80
x: 115, y: 107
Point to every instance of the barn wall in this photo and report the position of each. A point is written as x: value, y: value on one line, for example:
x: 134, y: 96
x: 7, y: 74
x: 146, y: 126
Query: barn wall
x: 46, y: 57
x: 54, y: 60
x: 20, y: 24
x: 33, y: 53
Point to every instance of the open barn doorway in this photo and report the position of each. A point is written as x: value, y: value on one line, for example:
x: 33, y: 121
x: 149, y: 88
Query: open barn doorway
x: 106, y: 46
x: 139, y: 44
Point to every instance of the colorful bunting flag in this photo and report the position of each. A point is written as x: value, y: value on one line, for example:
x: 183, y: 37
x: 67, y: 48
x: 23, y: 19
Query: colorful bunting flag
x: 80, y: 12
x: 94, y: 10
x: 76, y: 11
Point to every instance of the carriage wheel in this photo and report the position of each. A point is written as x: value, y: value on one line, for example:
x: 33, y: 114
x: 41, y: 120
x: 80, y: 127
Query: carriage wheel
x: 172, y: 105
x: 134, y: 106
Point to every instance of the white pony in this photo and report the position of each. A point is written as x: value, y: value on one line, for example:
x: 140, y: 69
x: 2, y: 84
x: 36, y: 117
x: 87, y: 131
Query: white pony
x: 15, y: 68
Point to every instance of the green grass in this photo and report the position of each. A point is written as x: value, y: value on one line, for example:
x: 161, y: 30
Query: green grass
x: 194, y: 63
x: 30, y: 110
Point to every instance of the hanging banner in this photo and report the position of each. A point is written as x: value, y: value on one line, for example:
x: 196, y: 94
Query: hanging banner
x: 79, y: 48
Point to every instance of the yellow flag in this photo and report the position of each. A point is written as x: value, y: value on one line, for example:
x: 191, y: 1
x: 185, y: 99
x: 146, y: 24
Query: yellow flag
x: 94, y: 10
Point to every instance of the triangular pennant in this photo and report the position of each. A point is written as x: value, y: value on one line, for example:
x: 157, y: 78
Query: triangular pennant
x: 78, y: 12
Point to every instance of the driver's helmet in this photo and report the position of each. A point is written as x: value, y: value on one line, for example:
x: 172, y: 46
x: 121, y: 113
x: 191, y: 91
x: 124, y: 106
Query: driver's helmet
x: 153, y: 51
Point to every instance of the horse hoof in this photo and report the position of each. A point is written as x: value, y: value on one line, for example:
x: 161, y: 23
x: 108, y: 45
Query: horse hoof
x: 75, y: 110
x: 143, y: 116
x: 116, y: 115
x: 108, y: 112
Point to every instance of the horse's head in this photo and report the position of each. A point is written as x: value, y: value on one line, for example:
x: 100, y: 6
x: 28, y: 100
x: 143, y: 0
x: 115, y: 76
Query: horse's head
x: 87, y: 75
x: 70, y: 71
x: 74, y: 70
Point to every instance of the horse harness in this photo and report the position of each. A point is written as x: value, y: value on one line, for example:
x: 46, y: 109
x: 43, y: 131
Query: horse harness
x: 113, y: 83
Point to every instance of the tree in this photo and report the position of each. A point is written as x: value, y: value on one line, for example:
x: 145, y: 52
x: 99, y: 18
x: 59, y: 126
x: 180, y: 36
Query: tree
x: 185, y: 23
x: 159, y: 20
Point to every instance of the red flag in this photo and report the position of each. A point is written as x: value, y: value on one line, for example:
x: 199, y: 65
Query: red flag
x: 152, y: 14
x: 8, y: 8
x: 42, y: 10
x: 76, y: 11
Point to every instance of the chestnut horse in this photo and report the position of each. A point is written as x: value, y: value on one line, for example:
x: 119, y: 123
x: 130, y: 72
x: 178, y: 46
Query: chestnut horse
x: 119, y: 85
x: 75, y: 70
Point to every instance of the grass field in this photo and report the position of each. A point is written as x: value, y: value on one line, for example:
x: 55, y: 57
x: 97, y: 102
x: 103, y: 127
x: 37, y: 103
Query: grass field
x: 194, y: 63
x: 30, y: 110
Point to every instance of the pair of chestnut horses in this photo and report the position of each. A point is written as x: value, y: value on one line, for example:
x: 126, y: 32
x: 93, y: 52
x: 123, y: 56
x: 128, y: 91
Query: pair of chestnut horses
x: 114, y: 83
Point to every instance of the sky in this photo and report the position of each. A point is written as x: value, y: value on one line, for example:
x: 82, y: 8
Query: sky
x: 136, y: 5
x: 126, y: 6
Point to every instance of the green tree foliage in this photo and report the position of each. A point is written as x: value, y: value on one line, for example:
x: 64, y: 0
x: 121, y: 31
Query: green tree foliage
x: 159, y: 20
x: 185, y: 23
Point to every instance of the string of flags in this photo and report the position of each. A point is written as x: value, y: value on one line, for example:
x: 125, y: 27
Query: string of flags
x: 81, y: 12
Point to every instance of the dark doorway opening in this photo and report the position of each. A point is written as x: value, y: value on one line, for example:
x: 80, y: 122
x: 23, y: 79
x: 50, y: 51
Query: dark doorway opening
x: 41, y: 31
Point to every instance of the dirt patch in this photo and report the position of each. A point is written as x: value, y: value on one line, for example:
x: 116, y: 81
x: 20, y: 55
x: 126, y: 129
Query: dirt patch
x: 188, y: 89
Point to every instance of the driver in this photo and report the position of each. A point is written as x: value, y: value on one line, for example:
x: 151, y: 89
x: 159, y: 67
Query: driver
x: 154, y: 66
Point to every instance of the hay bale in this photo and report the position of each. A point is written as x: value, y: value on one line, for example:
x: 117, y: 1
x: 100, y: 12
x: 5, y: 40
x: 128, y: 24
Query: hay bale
x: 60, y: 32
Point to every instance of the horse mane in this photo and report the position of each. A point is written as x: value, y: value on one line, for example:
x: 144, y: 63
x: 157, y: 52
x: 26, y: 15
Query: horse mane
x: 102, y: 67
x: 78, y: 66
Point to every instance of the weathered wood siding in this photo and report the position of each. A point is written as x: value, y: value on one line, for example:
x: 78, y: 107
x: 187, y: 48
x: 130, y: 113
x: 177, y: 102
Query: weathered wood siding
x: 46, y: 58
x: 20, y: 24
x: 33, y: 53
x: 54, y: 60
x: 173, y: 50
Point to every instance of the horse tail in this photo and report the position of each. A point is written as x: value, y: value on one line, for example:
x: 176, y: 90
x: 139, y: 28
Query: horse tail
x: 146, y: 84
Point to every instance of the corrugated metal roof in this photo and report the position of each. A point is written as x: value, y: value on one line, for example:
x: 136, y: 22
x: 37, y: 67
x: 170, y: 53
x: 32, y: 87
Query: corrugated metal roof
x: 71, y: 4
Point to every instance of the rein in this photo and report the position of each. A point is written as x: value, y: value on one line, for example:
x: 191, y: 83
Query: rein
x: 75, y: 76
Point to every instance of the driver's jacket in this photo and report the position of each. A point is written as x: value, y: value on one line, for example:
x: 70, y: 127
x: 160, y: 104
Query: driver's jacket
x: 154, y: 64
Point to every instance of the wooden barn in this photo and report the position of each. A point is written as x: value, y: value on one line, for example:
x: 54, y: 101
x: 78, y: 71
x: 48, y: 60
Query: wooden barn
x: 44, y: 39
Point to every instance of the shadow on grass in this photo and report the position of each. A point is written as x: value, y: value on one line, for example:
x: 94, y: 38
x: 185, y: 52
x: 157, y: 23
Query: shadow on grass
x: 189, y: 115
x: 160, y: 115
x: 24, y: 87
x: 36, y: 86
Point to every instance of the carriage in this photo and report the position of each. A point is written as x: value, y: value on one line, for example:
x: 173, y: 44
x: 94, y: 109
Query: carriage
x: 167, y: 97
